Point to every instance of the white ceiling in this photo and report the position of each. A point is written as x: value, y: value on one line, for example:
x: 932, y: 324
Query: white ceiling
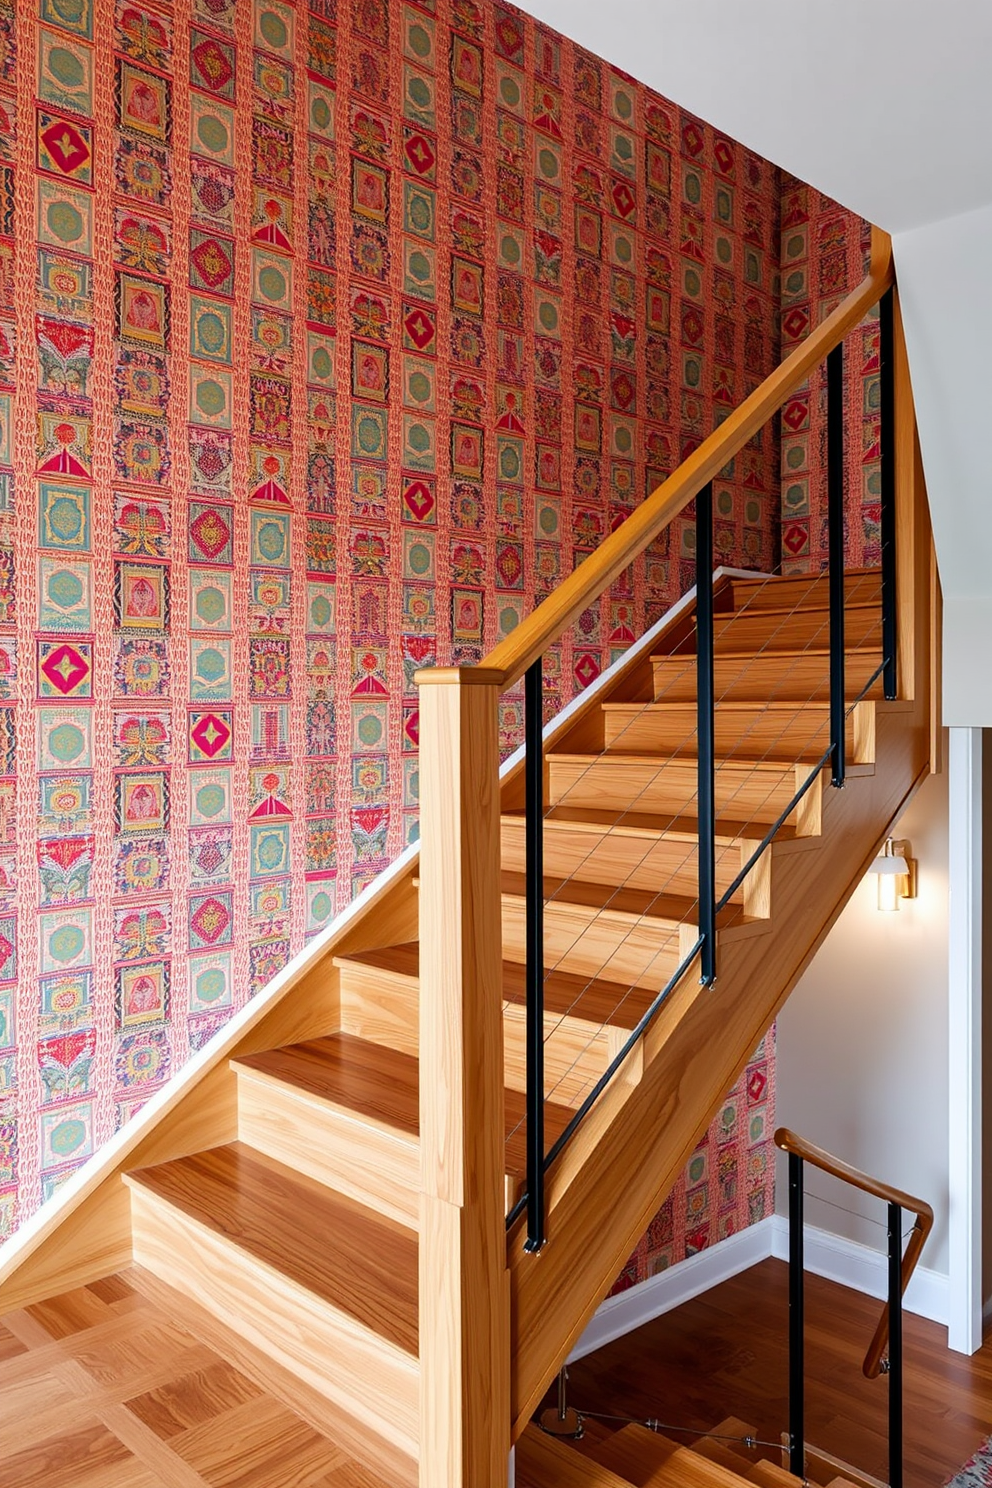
x: 886, y: 105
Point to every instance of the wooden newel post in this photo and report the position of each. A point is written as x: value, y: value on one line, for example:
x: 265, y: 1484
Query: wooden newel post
x: 464, y: 1281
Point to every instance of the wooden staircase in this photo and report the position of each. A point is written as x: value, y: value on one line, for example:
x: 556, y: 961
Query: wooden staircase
x: 635, y: 1457
x: 322, y: 1193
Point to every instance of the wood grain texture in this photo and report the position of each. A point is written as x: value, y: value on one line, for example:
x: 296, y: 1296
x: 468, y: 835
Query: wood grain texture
x: 464, y: 1286
x: 727, y: 1352
x: 545, y: 1463
x: 102, y: 1388
x: 779, y: 676
x: 351, y: 1339
x: 648, y: 1459
x: 749, y: 729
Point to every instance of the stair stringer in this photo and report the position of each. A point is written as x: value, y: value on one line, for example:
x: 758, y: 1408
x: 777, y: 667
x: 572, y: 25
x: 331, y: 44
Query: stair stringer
x: 600, y: 1199
x: 84, y: 1233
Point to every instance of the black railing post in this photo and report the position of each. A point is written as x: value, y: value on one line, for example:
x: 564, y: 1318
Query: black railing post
x: 534, y: 772
x: 797, y: 1321
x: 887, y: 421
x: 835, y: 530
x: 895, y: 1346
x: 706, y: 776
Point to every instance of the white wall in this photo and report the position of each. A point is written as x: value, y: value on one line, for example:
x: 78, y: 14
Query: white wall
x: 862, y: 1045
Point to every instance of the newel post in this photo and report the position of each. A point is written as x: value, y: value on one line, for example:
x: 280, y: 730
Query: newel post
x: 464, y: 1281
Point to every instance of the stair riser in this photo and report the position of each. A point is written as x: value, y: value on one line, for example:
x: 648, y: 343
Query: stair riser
x: 790, y: 594
x: 599, y: 855
x: 742, y: 794
x: 377, y: 1168
x: 371, y: 1379
x: 615, y: 948
x: 745, y: 735
x: 777, y: 678
x: 754, y: 632
x: 575, y: 1052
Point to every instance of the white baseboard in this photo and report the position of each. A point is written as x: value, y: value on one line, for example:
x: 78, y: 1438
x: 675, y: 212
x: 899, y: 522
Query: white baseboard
x: 659, y: 1294
x: 827, y: 1255
x: 863, y: 1269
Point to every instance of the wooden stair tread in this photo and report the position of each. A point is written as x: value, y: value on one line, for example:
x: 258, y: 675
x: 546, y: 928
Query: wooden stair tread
x: 647, y: 1459
x: 687, y: 757
x: 670, y: 910
x: 726, y: 1444
x: 543, y: 1462
x: 596, y: 1000
x: 358, y: 1262
x: 381, y: 1085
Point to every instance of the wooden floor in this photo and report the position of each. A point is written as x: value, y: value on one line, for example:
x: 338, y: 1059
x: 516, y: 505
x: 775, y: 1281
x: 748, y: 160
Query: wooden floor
x: 99, y: 1389
x: 725, y: 1354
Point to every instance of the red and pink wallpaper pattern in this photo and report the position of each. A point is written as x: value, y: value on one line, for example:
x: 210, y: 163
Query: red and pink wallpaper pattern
x: 330, y: 340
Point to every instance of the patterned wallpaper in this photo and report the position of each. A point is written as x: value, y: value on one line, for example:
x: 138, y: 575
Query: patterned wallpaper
x: 825, y: 253
x: 340, y: 335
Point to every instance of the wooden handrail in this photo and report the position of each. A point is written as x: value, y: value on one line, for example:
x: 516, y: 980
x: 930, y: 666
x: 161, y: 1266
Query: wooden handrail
x: 595, y: 574
x: 827, y: 1163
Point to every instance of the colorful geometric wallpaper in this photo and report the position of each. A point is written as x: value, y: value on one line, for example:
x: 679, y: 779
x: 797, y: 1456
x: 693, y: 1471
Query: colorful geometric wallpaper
x: 825, y: 254
x: 330, y: 340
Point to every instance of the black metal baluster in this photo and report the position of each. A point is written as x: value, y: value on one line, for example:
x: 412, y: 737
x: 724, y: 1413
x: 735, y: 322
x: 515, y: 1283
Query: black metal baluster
x: 887, y: 418
x: 895, y: 1346
x: 835, y: 527
x: 706, y: 777
x: 534, y: 772
x: 797, y: 1321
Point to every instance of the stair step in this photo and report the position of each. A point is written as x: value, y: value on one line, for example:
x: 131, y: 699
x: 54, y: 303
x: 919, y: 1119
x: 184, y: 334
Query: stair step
x: 586, y: 1019
x: 300, y: 1270
x: 785, y: 732
x: 790, y: 629
x: 347, y: 1113
x: 780, y: 675
x: 647, y: 1459
x: 861, y: 586
x: 632, y: 936
x: 640, y: 854
x: 756, y: 791
x: 543, y: 1462
x: 726, y: 1446
x: 770, y: 1475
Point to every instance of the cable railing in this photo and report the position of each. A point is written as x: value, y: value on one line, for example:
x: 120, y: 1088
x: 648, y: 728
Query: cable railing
x: 641, y: 892
x: 521, y: 655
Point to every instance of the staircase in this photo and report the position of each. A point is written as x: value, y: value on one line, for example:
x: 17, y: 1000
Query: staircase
x: 322, y: 1193
x: 635, y: 1457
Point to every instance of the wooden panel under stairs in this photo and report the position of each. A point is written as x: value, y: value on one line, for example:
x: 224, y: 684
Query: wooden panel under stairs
x: 752, y: 729
x: 585, y: 1019
x: 780, y: 675
x: 298, y: 1270
x: 753, y: 791
x: 647, y: 1459
x: 347, y: 1113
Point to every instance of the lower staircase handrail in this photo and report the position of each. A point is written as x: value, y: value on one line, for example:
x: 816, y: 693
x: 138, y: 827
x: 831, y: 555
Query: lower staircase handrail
x: 788, y: 1141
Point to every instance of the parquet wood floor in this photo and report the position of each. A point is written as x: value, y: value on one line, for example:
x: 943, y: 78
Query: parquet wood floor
x: 725, y: 1354
x: 101, y: 1389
